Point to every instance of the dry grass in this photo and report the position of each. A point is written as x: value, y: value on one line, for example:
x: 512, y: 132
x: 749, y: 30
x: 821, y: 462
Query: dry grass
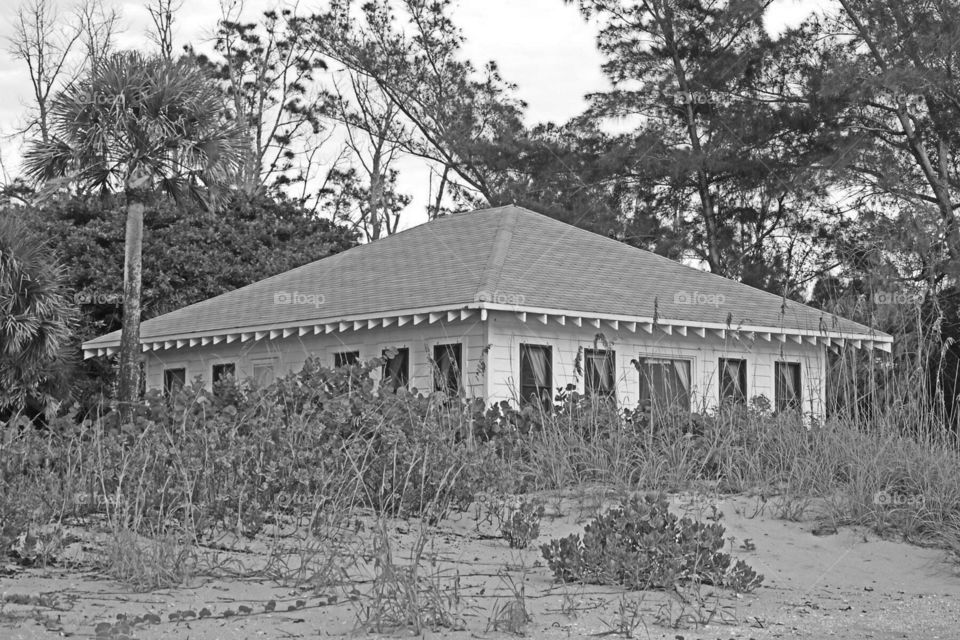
x: 165, y: 490
x: 414, y: 596
x: 147, y: 563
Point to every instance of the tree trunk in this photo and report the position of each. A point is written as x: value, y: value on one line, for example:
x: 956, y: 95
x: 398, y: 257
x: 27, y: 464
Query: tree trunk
x: 707, y: 208
x: 439, y: 201
x: 129, y: 386
x: 377, y: 210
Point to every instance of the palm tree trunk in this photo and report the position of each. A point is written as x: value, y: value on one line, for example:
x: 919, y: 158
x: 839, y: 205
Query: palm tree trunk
x: 130, y: 335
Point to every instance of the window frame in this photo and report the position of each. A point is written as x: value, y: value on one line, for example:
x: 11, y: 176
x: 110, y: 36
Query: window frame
x: 352, y: 357
x: 797, y: 401
x: 214, y: 379
x: 401, y: 350
x: 611, y: 356
x: 642, y: 360
x: 744, y: 394
x: 545, y: 400
x: 457, y: 372
x: 263, y: 362
x: 167, y: 390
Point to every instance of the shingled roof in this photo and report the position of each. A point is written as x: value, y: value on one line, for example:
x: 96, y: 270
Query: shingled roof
x: 501, y: 258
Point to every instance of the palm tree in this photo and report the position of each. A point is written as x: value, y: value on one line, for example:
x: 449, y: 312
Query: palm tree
x: 138, y: 127
x: 36, y: 321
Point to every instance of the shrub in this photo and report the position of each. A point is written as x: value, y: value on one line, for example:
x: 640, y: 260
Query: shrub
x: 36, y: 320
x: 522, y: 525
x: 641, y: 545
x: 317, y: 443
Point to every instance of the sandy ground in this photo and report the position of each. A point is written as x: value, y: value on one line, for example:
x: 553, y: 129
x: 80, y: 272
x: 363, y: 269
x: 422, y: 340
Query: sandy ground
x: 848, y: 584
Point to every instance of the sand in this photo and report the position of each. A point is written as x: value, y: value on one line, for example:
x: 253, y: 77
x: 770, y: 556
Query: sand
x: 849, y: 584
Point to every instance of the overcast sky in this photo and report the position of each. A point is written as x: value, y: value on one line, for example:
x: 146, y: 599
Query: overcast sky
x: 543, y: 46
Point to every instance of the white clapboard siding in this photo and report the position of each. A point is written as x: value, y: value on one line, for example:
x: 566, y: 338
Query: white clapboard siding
x: 493, y: 373
x: 289, y: 354
x: 507, y: 332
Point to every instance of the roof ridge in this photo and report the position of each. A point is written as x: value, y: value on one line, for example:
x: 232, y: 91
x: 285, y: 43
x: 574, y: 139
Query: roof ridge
x: 490, y: 278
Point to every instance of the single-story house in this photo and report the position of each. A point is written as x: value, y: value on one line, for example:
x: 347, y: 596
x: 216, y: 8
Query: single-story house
x: 507, y: 304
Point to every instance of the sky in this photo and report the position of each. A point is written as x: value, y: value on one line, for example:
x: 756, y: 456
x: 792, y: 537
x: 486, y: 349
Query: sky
x: 543, y: 46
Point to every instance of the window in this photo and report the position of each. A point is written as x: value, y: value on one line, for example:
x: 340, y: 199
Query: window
x: 396, y: 369
x: 664, y: 384
x: 733, y: 380
x: 263, y: 373
x: 447, y: 362
x: 173, y: 381
x: 787, y: 388
x: 599, y: 372
x: 536, y: 374
x: 345, y: 358
x: 221, y: 372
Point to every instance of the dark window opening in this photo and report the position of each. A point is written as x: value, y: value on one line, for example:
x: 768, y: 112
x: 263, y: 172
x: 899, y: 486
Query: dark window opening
x: 733, y: 381
x: 448, y: 363
x: 222, y: 373
x: 536, y: 374
x: 599, y: 373
x: 396, y: 369
x: 345, y: 358
x: 787, y: 386
x: 173, y: 381
x: 664, y: 384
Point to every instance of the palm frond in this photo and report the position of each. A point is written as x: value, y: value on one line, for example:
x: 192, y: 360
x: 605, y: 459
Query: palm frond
x: 133, y: 114
x: 36, y: 318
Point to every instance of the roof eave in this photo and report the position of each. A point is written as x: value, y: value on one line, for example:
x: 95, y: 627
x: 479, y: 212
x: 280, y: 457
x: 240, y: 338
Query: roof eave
x: 872, y: 335
x: 461, y: 312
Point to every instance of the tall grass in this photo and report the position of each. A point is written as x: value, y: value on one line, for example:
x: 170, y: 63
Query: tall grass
x: 882, y: 475
x: 201, y: 467
x: 321, y: 446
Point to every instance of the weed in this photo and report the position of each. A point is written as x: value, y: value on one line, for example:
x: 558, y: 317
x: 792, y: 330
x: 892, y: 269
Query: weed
x: 147, y: 563
x: 522, y: 524
x: 571, y: 602
x: 402, y: 598
x: 304, y: 560
x: 37, y: 548
x: 628, y: 618
x: 510, y: 615
x: 691, y: 609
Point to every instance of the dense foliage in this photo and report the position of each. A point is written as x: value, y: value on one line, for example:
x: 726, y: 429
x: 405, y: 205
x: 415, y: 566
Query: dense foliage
x: 189, y: 254
x: 814, y: 161
x: 144, y: 127
x: 36, y: 320
x: 641, y: 545
x: 321, y: 447
x: 317, y: 440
